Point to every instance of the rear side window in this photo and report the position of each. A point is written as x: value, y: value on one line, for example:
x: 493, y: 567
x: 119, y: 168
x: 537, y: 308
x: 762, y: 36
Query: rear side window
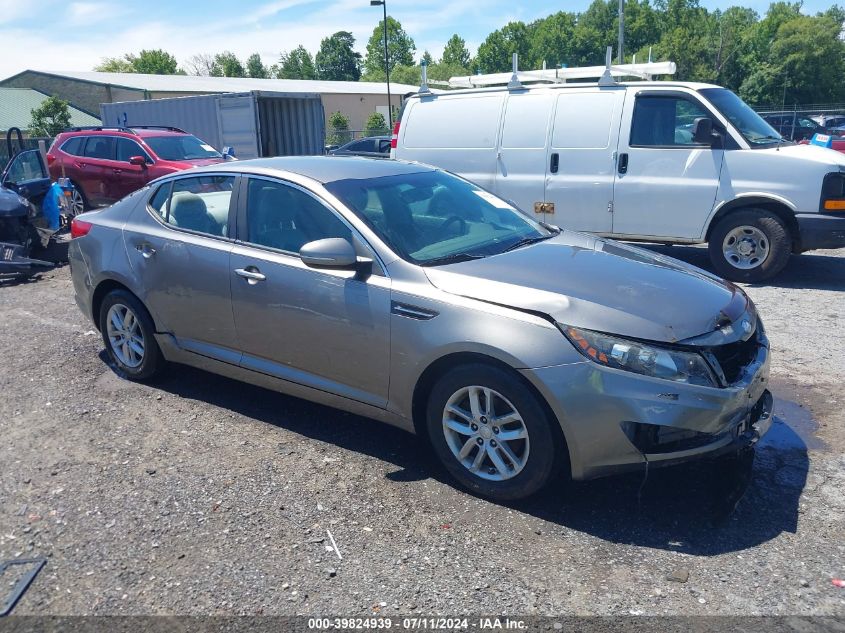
x: 101, y: 147
x: 453, y: 123
x: 664, y: 121
x: 73, y: 146
x: 198, y: 204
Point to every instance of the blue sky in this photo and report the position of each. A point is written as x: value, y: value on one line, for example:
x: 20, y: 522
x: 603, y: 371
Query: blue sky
x: 61, y: 35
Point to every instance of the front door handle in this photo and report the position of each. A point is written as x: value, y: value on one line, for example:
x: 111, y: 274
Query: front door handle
x: 554, y: 162
x: 146, y: 250
x: 622, y: 165
x: 251, y: 274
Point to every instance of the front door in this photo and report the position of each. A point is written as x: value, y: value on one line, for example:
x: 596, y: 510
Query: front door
x: 521, y: 156
x: 666, y: 183
x: 178, y: 248
x: 325, y: 329
x: 27, y: 174
x: 585, y: 132
x: 127, y: 177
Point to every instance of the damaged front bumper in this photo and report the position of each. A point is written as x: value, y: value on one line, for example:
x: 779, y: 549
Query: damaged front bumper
x: 614, y: 421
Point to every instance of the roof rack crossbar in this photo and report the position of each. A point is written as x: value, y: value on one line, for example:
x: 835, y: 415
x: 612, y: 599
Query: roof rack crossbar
x: 97, y: 128
x: 159, y: 127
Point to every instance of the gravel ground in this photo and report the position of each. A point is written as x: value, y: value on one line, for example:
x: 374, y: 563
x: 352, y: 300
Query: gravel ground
x: 200, y: 495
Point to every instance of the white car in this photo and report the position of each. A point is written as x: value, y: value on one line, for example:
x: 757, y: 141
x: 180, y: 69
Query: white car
x: 668, y: 162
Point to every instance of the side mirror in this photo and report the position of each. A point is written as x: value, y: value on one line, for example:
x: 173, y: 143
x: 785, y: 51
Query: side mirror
x: 702, y: 131
x: 139, y: 161
x: 229, y: 153
x: 332, y: 252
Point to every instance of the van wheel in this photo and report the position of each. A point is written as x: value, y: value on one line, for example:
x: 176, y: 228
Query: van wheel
x: 750, y: 246
x: 491, y: 433
x: 129, y: 335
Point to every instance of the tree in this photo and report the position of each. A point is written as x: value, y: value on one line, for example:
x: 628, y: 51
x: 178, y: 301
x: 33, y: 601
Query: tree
x: 495, y: 54
x: 115, y: 65
x: 551, y: 40
x: 255, y: 67
x: 338, y: 129
x: 455, y: 52
x: 50, y: 118
x: 400, y: 50
x: 297, y: 65
x: 226, y: 64
x: 201, y: 64
x: 155, y: 62
x: 375, y: 124
x: 336, y: 61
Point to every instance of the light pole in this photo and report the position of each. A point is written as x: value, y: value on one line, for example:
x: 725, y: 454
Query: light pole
x: 383, y: 3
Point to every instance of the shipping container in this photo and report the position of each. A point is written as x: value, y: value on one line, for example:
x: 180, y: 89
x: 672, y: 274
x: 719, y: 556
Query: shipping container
x: 254, y: 124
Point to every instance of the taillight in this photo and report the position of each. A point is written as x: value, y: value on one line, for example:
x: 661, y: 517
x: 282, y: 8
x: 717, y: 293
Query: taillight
x: 50, y: 159
x: 395, y: 137
x: 78, y: 228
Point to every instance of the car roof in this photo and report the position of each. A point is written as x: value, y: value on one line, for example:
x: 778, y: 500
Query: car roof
x: 323, y: 169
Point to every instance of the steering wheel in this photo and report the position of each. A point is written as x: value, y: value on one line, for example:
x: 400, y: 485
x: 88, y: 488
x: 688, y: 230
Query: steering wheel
x: 452, y: 219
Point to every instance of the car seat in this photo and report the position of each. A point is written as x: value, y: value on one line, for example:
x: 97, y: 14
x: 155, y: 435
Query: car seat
x: 188, y: 211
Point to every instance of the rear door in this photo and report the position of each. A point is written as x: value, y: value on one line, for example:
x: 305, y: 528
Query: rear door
x: 521, y: 159
x: 584, y: 138
x: 666, y: 183
x: 95, y: 168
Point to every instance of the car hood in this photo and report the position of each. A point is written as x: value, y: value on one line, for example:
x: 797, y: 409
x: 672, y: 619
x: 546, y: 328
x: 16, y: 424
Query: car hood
x: 11, y: 204
x: 806, y: 152
x: 198, y: 162
x: 592, y: 283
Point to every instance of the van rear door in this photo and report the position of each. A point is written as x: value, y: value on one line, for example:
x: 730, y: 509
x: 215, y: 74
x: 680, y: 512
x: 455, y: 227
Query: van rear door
x: 523, y: 150
x: 666, y: 183
x: 580, y: 167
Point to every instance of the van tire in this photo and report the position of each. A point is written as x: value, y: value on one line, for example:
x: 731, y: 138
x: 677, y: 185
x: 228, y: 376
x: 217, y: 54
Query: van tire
x: 763, y: 230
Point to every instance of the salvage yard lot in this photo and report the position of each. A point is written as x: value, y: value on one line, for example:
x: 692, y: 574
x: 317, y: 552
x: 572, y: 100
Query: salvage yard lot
x: 201, y: 495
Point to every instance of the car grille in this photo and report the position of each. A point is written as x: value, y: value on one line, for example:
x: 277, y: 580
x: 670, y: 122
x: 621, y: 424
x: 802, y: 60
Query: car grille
x: 733, y: 358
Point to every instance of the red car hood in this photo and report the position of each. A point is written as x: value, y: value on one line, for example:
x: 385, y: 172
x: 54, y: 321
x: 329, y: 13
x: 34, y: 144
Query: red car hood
x: 197, y: 162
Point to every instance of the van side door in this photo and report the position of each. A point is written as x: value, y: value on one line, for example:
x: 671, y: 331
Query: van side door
x: 666, y: 182
x: 581, y: 166
x: 523, y: 150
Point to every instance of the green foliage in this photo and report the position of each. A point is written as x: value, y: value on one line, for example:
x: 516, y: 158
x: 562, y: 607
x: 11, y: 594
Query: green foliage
x: 338, y: 129
x: 50, y: 118
x: 149, y: 62
x: 255, y: 67
x: 297, y: 65
x: 336, y: 60
x: 495, y: 53
x: 226, y: 64
x: 400, y: 50
x: 455, y: 52
x: 375, y: 124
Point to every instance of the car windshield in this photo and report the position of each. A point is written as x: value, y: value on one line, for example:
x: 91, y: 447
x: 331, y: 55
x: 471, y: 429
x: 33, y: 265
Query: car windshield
x: 181, y: 147
x: 750, y: 124
x: 431, y: 218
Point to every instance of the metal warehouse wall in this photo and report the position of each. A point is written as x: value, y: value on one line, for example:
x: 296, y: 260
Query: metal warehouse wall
x: 197, y: 115
x: 290, y: 126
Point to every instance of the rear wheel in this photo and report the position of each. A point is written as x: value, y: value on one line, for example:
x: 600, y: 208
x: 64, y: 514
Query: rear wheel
x: 128, y: 334
x: 750, y: 245
x: 491, y: 433
x: 78, y: 202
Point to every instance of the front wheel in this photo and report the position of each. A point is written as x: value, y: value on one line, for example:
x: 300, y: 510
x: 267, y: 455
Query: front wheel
x: 491, y: 433
x: 749, y: 246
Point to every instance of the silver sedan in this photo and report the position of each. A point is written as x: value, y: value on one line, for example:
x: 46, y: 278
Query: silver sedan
x: 406, y: 294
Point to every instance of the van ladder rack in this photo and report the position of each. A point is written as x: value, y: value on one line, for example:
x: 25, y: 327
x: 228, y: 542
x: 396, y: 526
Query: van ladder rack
x: 606, y: 74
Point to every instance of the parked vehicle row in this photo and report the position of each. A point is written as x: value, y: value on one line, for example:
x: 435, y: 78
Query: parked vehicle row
x: 669, y: 162
x: 400, y: 292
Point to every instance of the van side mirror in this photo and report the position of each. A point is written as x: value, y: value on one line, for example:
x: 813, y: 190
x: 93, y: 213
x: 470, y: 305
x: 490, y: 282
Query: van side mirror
x: 702, y: 131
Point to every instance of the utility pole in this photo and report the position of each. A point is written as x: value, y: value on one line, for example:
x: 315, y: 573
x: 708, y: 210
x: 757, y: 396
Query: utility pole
x: 383, y: 3
x: 621, y: 31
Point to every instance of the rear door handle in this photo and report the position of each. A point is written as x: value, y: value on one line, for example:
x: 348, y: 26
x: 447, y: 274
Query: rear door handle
x: 554, y: 163
x: 622, y: 165
x: 251, y: 274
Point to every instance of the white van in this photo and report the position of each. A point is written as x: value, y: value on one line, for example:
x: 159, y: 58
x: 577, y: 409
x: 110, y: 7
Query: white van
x: 669, y: 162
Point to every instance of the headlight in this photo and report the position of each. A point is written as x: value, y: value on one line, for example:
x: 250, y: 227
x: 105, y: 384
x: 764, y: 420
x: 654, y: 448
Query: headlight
x: 641, y: 358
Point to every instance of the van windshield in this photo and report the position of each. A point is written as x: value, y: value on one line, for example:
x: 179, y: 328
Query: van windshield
x: 751, y: 125
x: 432, y: 218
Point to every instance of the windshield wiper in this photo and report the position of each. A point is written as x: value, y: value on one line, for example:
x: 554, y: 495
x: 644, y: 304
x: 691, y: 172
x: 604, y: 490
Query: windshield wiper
x: 454, y: 258
x: 528, y: 240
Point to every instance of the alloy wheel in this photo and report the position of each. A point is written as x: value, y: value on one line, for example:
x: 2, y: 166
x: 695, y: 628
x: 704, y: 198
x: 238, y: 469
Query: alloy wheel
x: 77, y: 203
x: 486, y: 433
x: 125, y: 335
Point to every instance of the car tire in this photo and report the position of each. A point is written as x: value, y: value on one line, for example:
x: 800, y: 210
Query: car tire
x: 85, y: 205
x: 129, y: 336
x: 750, y: 246
x: 538, y: 456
